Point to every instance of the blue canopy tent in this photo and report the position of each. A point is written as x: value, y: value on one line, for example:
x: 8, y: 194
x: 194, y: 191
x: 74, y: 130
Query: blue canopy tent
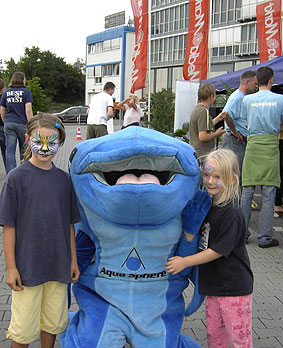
x: 233, y: 79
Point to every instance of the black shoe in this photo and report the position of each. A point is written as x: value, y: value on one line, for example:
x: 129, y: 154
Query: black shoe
x: 273, y: 243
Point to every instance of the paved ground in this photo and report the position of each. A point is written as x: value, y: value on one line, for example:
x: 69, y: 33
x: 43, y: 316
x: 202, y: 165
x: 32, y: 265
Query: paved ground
x: 267, y: 265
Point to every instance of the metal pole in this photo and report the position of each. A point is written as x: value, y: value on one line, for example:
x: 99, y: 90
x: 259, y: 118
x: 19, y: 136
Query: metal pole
x: 209, y: 39
x: 149, y: 60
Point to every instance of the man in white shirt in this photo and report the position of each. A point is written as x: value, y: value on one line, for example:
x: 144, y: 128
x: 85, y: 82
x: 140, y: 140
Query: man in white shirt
x: 100, y: 111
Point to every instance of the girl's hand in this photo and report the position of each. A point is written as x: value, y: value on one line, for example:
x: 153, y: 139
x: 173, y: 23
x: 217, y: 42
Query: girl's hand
x: 175, y: 264
x: 13, y: 279
x: 75, y: 273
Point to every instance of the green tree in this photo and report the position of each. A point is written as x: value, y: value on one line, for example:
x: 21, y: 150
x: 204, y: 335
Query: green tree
x: 40, y: 101
x: 61, y: 81
x: 163, y: 109
x: 6, y: 73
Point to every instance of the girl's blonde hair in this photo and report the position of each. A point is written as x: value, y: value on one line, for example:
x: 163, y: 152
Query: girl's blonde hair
x: 44, y: 121
x: 228, y: 165
x: 135, y: 97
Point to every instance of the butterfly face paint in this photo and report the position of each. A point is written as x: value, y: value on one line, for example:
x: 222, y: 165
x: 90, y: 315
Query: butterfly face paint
x: 44, y: 145
x: 211, y: 177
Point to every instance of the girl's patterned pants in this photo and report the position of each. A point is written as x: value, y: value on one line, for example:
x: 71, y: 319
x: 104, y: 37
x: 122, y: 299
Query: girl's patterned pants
x: 229, y: 321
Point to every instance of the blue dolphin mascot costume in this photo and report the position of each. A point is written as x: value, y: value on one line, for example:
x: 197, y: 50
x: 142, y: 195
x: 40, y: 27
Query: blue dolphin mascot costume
x: 126, y: 236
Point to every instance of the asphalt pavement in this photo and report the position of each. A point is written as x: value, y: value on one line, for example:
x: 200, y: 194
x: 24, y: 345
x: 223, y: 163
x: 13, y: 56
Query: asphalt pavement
x: 267, y: 266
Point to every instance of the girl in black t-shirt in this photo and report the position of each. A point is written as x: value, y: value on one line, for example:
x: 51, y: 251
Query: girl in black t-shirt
x: 225, y: 277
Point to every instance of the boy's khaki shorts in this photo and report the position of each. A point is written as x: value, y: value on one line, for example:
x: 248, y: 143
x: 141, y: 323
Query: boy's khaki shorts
x: 38, y: 308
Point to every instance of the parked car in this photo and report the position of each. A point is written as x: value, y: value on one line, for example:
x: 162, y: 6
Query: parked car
x: 70, y: 115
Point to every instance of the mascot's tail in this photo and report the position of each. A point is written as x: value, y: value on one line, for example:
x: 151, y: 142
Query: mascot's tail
x: 192, y: 218
x: 186, y: 248
x: 197, y: 299
x: 187, y: 342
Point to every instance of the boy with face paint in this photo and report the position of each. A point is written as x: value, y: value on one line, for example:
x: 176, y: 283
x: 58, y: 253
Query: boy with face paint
x: 225, y: 277
x: 37, y: 210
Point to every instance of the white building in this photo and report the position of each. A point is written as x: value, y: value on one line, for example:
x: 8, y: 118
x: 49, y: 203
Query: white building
x: 233, y: 41
x: 108, y: 58
x: 233, y: 45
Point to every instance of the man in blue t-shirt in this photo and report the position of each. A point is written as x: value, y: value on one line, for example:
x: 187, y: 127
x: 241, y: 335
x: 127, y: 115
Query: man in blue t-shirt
x: 264, y: 113
x: 236, y: 135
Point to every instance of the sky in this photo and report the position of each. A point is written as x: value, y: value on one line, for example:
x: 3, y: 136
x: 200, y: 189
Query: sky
x: 60, y: 26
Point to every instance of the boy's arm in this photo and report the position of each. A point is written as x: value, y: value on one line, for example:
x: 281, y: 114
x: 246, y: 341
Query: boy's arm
x: 13, y: 278
x: 220, y: 117
x: 3, y: 113
x: 75, y: 273
x: 176, y: 263
x: 205, y: 136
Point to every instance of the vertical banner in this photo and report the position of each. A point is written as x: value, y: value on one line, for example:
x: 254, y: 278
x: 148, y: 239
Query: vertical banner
x: 268, y: 17
x: 186, y: 100
x: 195, y: 66
x: 139, y: 59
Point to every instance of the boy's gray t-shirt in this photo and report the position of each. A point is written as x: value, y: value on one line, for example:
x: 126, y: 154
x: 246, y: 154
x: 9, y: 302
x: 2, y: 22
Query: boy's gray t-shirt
x: 41, y: 205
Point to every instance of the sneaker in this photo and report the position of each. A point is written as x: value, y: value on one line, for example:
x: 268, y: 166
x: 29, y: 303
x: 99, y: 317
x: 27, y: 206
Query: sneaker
x: 254, y: 204
x: 273, y: 243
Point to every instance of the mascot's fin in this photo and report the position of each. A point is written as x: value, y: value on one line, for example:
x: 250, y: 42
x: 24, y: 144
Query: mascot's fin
x: 85, y: 249
x: 186, y: 248
x: 197, y: 299
x: 195, y: 212
x: 192, y: 221
x: 187, y: 342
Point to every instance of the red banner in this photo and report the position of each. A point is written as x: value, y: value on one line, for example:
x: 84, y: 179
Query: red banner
x: 195, y: 66
x: 268, y: 17
x: 139, y: 60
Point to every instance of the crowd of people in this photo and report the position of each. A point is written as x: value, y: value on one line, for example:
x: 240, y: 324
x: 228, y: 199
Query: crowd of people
x: 249, y: 157
x: 253, y: 126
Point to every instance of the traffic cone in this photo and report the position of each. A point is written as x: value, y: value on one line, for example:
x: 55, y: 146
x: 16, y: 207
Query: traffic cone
x: 78, y: 134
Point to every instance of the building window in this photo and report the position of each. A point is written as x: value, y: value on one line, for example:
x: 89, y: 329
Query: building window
x: 228, y: 50
x: 104, y: 46
x: 224, y: 52
x: 215, y: 52
x: 169, y: 49
x: 90, y: 72
x: 225, y: 11
x: 161, y: 50
x: 168, y: 20
x: 221, y: 51
x: 181, y: 48
x: 115, y: 43
x: 165, y: 52
x: 110, y: 69
x: 249, y: 43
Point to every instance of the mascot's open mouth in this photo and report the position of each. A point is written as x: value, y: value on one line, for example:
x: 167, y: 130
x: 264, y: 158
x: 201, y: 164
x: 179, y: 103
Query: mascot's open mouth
x: 140, y: 169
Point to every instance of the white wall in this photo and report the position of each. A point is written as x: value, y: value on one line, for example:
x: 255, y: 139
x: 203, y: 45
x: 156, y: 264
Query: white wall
x: 104, y: 57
